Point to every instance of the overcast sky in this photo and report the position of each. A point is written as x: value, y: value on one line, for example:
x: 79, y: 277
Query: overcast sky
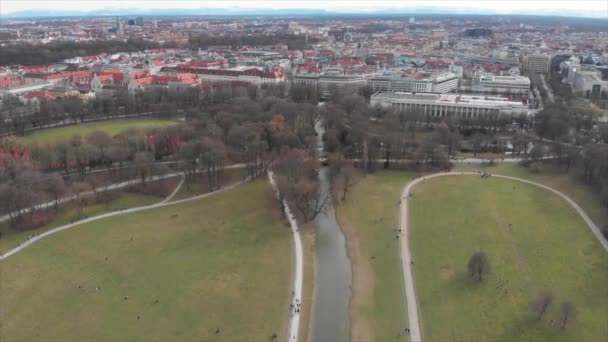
x: 593, y: 8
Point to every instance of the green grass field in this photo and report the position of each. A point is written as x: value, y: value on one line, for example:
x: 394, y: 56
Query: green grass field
x: 112, y: 127
x: 548, y: 247
x: 188, y: 270
x: 373, y: 197
x: 581, y: 193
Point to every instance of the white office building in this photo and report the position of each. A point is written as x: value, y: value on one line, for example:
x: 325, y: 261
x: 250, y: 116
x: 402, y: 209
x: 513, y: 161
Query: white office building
x: 490, y: 83
x: 454, y: 105
x: 590, y: 84
x: 439, y: 83
x: 308, y: 79
x: 345, y: 83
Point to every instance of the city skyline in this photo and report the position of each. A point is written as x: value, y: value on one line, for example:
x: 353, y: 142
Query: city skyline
x: 587, y: 8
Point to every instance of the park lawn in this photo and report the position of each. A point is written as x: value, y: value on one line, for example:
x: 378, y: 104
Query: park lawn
x: 111, y: 127
x: 220, y: 263
x: 11, y: 238
x: 378, y: 305
x: 583, y: 194
x: 548, y: 247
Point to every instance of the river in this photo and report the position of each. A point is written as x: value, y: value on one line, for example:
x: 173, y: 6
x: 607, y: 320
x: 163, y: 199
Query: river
x: 333, y: 273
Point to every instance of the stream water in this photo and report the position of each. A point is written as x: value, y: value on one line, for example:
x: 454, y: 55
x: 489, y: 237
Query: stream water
x: 333, y: 278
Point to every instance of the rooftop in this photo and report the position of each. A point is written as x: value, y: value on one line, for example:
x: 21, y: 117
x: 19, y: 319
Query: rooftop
x: 473, y: 99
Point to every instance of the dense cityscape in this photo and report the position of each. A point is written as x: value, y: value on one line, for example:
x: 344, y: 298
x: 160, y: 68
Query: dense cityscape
x: 249, y: 177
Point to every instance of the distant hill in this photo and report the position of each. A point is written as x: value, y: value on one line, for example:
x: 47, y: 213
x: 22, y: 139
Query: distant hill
x: 427, y: 10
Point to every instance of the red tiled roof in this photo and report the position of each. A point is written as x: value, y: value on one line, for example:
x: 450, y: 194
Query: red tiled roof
x: 105, y: 78
x: 274, y: 73
x: 349, y: 62
x: 7, y: 83
x: 38, y: 95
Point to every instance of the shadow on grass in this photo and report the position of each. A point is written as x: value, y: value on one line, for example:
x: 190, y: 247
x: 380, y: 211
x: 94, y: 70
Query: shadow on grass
x: 461, y: 284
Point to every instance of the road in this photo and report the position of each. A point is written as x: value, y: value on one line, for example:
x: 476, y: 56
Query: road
x: 406, y: 257
x: 298, y: 279
x: 164, y: 203
x: 547, y: 88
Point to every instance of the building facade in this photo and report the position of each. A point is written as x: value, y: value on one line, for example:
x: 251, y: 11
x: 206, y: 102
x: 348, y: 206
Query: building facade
x: 536, y: 63
x: 346, y: 83
x: 490, y: 83
x: 590, y: 85
x: 251, y: 75
x: 442, y: 83
x: 451, y: 105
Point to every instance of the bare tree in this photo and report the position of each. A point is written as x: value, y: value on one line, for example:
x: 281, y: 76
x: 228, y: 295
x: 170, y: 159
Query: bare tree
x: 56, y: 187
x: 342, y: 175
x: 298, y: 183
x: 542, y: 304
x: 479, y: 141
x: 567, y: 314
x: 304, y: 195
x: 102, y: 141
x: 479, y: 266
x: 115, y: 154
x: 81, y: 192
x: 143, y: 165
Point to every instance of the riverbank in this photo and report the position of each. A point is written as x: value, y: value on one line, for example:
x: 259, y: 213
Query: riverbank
x: 368, y: 218
x: 333, y: 274
x: 308, y: 233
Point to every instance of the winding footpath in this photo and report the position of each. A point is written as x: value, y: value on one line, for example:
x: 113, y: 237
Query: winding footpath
x: 406, y: 257
x: 115, y: 186
x: 164, y: 203
x: 296, y: 300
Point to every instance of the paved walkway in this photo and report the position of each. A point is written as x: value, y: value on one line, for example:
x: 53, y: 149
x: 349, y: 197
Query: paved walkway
x: 296, y: 300
x: 114, y: 186
x: 406, y: 257
x: 176, y: 190
x: 164, y: 203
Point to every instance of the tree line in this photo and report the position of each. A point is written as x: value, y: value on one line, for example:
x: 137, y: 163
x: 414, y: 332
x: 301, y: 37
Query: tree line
x: 29, y: 54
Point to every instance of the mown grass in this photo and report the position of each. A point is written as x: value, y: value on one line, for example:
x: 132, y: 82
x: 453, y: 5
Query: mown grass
x: 112, y: 127
x: 369, y: 216
x: 535, y: 242
x: 12, y: 237
x: 216, y: 269
x: 583, y: 194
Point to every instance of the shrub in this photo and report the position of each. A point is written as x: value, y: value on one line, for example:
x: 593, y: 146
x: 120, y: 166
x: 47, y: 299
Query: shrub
x: 536, y: 167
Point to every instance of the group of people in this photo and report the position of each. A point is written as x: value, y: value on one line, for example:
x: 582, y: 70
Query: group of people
x: 28, y: 238
x: 295, y: 308
x: 485, y: 174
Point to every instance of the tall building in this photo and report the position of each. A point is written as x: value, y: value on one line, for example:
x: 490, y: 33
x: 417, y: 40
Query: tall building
x: 139, y: 21
x: 119, y: 29
x: 536, y: 63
